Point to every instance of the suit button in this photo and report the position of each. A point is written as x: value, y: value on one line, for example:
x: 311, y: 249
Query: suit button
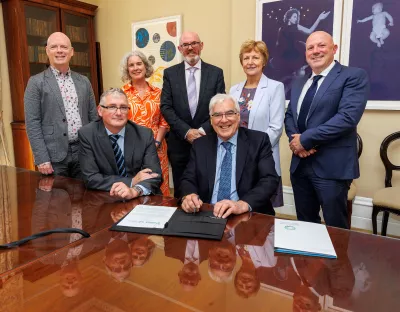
x: 63, y: 120
x: 65, y: 134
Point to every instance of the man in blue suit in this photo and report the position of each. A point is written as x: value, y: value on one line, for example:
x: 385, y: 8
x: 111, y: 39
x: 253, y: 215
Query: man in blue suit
x: 321, y: 123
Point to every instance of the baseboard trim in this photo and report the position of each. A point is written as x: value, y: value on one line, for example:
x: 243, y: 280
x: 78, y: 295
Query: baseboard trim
x: 361, y: 217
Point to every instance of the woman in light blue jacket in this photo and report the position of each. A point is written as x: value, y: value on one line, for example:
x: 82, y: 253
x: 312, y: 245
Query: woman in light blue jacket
x: 261, y: 100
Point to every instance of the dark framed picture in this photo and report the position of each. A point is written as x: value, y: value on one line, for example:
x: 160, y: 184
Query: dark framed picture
x: 285, y: 25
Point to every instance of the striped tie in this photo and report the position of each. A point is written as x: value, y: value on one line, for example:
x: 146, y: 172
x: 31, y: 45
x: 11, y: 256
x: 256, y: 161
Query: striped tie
x: 119, y: 157
x: 192, y: 93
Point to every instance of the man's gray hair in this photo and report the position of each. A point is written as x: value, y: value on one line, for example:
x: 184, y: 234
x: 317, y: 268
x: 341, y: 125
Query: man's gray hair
x: 113, y: 92
x: 124, y: 65
x: 221, y: 97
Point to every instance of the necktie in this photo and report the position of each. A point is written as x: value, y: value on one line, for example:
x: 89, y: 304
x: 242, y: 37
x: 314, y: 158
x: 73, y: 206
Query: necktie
x: 192, y: 92
x: 305, y: 106
x: 119, y: 157
x: 225, y: 177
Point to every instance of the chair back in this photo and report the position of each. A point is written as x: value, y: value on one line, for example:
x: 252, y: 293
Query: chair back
x: 359, y: 145
x: 389, y: 167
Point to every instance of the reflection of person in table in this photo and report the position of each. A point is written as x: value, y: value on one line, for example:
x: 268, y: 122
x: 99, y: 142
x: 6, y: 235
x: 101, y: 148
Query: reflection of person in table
x: 142, y: 249
x: 290, y: 58
x: 118, y: 257
x: 379, y: 30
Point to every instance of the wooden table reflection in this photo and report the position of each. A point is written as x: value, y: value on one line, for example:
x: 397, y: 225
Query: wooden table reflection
x: 113, y: 271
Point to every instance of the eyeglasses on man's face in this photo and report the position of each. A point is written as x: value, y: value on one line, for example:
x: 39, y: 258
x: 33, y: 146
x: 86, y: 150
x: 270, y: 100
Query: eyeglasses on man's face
x: 113, y: 109
x: 228, y: 115
x: 193, y: 44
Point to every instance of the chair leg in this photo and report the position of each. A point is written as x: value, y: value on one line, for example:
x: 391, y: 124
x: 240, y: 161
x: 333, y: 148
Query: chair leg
x: 375, y: 211
x: 384, y: 223
x: 349, y: 212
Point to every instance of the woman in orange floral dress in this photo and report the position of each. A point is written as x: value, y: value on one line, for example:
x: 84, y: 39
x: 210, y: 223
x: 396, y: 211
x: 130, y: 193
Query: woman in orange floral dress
x: 144, y: 100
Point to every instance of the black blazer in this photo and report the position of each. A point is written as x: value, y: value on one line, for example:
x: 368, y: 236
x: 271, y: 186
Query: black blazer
x: 175, y: 104
x: 256, y: 178
x: 97, y: 161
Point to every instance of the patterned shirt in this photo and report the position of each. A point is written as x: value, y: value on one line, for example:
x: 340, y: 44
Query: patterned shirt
x: 70, y: 100
x: 245, y: 103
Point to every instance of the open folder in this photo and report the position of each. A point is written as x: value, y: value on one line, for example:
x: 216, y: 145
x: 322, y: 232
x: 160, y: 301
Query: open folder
x: 202, y: 224
x: 303, y: 238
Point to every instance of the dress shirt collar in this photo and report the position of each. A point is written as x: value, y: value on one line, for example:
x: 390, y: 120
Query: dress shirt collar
x: 56, y: 72
x: 198, y: 65
x: 121, y: 133
x: 233, y: 139
x: 325, y: 72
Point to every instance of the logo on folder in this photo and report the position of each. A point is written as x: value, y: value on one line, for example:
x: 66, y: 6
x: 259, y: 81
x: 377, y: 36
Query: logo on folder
x: 290, y: 227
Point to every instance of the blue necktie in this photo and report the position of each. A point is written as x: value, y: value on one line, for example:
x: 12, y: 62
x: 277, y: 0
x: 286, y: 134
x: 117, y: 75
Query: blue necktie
x: 305, y: 106
x: 119, y: 157
x: 225, y: 177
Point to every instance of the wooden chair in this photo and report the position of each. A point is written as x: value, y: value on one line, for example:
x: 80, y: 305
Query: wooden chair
x: 353, y: 188
x: 387, y: 199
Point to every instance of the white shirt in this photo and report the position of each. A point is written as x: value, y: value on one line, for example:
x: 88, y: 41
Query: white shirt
x: 197, y: 76
x: 263, y: 256
x: 309, y: 82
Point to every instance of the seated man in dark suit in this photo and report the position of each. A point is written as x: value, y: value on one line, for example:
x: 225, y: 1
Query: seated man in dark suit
x: 116, y: 154
x: 232, y: 168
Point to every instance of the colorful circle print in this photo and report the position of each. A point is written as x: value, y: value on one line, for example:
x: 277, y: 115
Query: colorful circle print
x: 156, y: 37
x: 167, y: 51
x: 151, y: 59
x: 142, y: 37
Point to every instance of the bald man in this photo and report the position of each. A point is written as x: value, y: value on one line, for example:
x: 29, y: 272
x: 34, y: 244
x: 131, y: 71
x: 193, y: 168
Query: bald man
x: 321, y: 123
x: 187, y: 90
x: 58, y: 102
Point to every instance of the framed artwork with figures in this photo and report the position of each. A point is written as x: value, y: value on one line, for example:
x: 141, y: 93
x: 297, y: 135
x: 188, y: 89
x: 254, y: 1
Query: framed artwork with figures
x: 158, y: 39
x: 370, y: 41
x: 285, y: 25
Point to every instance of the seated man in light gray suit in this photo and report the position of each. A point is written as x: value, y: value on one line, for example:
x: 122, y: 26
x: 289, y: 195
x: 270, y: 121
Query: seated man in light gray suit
x: 116, y: 154
x: 58, y: 102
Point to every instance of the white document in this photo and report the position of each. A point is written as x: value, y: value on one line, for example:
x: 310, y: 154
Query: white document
x: 146, y: 216
x: 303, y: 238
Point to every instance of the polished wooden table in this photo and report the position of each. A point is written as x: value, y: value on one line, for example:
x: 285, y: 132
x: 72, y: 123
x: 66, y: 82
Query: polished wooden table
x: 113, y: 271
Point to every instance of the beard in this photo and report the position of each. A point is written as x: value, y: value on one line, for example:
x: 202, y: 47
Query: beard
x: 192, y: 60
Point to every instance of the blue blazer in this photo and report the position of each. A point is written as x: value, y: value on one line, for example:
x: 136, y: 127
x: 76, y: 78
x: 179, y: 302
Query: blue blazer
x: 331, y: 125
x: 268, y: 111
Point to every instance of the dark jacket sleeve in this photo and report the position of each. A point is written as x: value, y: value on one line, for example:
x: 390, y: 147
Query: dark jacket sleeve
x: 268, y: 179
x: 189, y: 178
x: 177, y: 125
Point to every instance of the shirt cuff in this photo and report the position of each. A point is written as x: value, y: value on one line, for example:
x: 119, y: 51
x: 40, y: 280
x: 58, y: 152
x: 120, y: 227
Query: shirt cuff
x: 250, y: 209
x: 202, y: 131
x: 145, y: 190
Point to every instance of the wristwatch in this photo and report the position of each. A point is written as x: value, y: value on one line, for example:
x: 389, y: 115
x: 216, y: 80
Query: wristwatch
x: 138, y: 190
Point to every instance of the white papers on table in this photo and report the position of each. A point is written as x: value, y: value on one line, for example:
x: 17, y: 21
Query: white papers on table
x: 303, y: 238
x: 146, y: 216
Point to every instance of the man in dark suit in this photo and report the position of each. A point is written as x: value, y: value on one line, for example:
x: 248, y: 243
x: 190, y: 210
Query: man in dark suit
x: 232, y: 168
x: 58, y: 102
x: 117, y: 155
x: 187, y: 90
x: 321, y: 123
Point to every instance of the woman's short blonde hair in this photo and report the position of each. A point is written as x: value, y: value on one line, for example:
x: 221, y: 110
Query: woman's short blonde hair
x: 258, y: 46
x: 124, y: 65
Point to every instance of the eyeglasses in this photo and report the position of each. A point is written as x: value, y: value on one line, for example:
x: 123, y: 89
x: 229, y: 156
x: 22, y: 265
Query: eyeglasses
x: 228, y: 115
x: 113, y: 109
x: 193, y: 44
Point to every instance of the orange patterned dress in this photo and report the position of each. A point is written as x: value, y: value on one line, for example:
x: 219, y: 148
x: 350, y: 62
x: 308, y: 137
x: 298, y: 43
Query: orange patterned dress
x: 146, y: 112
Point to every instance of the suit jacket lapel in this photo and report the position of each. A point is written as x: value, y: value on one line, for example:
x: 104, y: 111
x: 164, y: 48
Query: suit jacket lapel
x: 258, y: 96
x: 77, y: 82
x: 332, y: 75
x: 241, y: 155
x: 51, y: 80
x: 296, y: 94
x: 105, y: 144
x: 203, y: 83
x: 129, y: 141
x: 181, y: 79
x: 211, y: 162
